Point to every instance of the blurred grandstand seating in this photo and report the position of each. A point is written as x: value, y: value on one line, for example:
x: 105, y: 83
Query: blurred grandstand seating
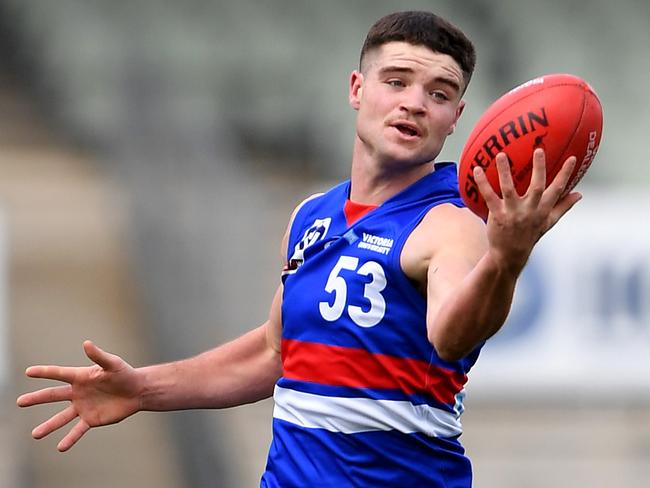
x: 67, y: 277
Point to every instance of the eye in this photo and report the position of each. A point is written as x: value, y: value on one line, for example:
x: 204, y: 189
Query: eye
x: 395, y: 83
x: 439, y: 95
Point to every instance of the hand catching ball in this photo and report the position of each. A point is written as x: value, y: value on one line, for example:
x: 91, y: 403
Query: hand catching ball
x: 560, y: 113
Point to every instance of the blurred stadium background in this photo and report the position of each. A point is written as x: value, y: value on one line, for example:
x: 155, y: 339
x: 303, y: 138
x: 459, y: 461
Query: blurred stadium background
x: 151, y: 153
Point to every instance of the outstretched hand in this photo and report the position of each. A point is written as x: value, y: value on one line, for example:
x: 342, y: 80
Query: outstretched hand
x: 515, y: 223
x: 102, y: 394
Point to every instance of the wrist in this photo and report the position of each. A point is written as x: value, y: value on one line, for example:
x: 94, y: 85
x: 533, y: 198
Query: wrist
x: 504, y: 264
x: 148, y: 393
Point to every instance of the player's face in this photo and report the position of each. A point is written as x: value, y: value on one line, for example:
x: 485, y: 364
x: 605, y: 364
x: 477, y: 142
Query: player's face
x: 408, y: 100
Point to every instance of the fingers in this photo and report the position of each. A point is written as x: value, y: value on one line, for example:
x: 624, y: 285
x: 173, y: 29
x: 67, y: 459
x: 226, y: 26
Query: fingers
x: 60, y: 373
x: 537, y: 190
x: 46, y: 395
x: 563, y: 206
x: 557, y: 187
x: 55, y: 422
x: 485, y: 189
x: 73, y: 436
x: 506, y: 184
x: 58, y: 421
x: 108, y: 361
x: 538, y: 179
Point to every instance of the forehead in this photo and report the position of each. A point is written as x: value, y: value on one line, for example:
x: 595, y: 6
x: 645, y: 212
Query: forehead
x: 417, y: 58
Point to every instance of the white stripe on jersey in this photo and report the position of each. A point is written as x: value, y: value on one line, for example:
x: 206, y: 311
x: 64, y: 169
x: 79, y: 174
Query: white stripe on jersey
x: 353, y: 415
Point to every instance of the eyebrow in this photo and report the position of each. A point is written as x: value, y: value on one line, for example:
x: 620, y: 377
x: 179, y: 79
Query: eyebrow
x: 438, y: 79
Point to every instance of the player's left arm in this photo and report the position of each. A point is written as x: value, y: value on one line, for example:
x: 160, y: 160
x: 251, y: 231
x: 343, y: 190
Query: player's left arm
x: 472, y: 269
x: 468, y: 295
x: 445, y: 257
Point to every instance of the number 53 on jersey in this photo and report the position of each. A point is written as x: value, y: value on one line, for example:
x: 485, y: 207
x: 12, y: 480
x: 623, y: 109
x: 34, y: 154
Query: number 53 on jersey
x: 338, y: 288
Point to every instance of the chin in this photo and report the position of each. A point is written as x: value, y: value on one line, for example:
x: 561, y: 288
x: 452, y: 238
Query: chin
x: 406, y: 160
x: 411, y: 157
x: 415, y: 152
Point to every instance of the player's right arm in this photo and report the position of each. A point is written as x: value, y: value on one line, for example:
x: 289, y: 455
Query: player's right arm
x: 242, y: 371
x: 239, y: 372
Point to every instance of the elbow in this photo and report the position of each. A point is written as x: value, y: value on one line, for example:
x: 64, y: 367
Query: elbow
x: 451, y: 354
x: 448, y: 349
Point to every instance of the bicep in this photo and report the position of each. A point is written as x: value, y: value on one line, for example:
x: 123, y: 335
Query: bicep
x: 459, y: 243
x: 444, y: 275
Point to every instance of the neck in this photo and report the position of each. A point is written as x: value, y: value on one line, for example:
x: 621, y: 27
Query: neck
x: 374, y: 182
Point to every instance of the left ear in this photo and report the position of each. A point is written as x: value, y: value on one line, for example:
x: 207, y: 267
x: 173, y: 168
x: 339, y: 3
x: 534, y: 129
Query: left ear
x: 459, y: 111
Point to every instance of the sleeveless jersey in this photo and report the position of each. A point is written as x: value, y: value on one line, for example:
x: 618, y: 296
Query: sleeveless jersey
x: 364, y: 400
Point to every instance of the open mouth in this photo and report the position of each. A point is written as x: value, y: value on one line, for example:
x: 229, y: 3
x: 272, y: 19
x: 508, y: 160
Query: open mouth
x: 407, y: 130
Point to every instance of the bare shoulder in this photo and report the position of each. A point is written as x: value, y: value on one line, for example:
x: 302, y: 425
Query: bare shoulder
x: 446, y: 230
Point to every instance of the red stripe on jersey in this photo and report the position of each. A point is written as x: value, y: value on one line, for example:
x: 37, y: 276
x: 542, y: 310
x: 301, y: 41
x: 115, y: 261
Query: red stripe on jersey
x: 358, y: 368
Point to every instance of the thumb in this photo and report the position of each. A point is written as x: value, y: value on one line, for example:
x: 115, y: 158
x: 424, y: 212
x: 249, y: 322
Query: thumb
x: 108, y: 361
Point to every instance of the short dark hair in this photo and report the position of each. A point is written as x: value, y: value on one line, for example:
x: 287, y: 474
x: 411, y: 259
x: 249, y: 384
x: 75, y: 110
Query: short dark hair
x: 425, y: 29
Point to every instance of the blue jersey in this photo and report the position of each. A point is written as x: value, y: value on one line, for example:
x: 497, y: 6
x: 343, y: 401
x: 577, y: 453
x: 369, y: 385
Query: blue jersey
x: 364, y: 400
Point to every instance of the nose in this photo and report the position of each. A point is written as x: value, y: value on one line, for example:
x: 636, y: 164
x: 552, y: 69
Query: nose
x: 413, y: 101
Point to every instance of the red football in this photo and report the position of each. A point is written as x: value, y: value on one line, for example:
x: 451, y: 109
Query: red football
x: 560, y: 113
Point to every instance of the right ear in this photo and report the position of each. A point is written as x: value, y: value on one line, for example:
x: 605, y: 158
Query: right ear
x: 356, y: 89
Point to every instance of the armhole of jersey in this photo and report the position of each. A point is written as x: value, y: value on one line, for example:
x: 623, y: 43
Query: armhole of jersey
x: 456, y: 200
x: 299, y: 211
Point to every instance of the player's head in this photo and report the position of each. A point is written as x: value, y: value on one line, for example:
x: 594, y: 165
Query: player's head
x: 421, y: 29
x: 408, y: 91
